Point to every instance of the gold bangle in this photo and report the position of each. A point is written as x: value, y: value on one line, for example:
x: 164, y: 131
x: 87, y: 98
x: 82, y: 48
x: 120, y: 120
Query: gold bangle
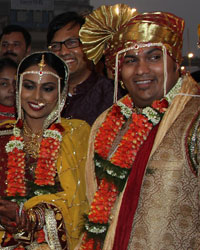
x: 32, y: 217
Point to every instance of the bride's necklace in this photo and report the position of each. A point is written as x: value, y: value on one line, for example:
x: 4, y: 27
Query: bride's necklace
x: 32, y: 143
x: 45, y: 170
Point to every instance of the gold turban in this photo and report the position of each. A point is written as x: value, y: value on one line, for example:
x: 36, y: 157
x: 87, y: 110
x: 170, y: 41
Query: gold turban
x: 157, y: 27
x: 131, y: 28
x: 100, y: 27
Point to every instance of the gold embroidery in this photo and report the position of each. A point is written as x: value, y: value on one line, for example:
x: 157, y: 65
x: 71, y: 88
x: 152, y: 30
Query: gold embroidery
x: 58, y: 216
x: 51, y: 227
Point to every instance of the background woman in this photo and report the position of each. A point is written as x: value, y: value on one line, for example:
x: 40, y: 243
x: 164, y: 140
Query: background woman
x: 8, y: 69
x: 42, y: 161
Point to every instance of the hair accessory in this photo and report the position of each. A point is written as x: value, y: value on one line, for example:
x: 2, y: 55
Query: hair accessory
x: 41, y: 65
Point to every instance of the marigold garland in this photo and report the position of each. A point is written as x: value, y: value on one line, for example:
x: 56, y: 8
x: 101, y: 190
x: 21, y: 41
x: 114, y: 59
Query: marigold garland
x: 112, y: 170
x: 46, y: 165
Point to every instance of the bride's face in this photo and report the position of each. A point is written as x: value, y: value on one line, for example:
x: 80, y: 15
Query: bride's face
x: 39, y: 94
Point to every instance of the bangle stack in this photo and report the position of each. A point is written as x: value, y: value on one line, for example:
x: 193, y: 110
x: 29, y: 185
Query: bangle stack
x: 37, y: 218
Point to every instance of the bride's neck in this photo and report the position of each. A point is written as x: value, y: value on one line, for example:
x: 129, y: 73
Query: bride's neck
x: 35, y: 125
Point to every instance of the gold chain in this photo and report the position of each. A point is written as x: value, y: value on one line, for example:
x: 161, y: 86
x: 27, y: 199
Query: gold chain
x: 32, y: 144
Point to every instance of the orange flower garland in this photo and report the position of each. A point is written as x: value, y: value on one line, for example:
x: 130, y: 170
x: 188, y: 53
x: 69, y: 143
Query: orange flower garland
x: 109, y: 192
x: 111, y: 169
x: 46, y: 166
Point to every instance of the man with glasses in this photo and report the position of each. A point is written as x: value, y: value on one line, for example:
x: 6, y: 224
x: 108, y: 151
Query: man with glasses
x: 89, y: 93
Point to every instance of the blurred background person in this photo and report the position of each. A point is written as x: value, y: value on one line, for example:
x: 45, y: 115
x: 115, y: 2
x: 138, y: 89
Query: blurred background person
x: 15, y: 42
x: 8, y: 70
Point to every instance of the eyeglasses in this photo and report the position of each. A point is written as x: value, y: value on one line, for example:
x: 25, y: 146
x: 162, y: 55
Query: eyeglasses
x: 69, y: 43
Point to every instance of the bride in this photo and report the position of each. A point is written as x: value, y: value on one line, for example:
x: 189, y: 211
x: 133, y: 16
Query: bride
x: 42, y: 160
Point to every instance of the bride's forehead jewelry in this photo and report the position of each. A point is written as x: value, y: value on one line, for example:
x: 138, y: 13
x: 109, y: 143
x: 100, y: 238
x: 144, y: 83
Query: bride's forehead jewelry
x: 41, y: 65
x: 40, y: 72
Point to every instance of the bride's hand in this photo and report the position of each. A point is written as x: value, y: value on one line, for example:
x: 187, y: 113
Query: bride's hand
x: 13, y: 218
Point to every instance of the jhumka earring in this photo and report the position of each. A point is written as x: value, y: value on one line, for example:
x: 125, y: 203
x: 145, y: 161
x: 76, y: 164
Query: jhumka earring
x: 122, y: 85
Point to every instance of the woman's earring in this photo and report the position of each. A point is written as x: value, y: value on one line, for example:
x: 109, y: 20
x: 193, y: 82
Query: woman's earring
x: 122, y: 85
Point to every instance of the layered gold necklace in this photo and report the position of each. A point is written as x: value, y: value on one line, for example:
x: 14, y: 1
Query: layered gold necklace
x: 32, y: 142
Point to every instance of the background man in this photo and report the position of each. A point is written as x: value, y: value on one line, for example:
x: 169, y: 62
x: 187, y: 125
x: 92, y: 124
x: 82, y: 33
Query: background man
x: 15, y: 42
x: 89, y: 93
x: 144, y: 150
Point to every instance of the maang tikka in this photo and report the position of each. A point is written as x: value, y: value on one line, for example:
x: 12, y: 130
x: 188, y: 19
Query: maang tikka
x: 41, y: 64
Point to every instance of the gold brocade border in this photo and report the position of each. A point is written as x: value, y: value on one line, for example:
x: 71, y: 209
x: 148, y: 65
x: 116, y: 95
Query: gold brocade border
x: 193, y: 144
x: 36, y: 246
x: 8, y: 248
x: 51, y: 227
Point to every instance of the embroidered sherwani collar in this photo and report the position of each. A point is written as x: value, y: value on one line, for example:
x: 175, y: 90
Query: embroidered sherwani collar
x: 189, y: 88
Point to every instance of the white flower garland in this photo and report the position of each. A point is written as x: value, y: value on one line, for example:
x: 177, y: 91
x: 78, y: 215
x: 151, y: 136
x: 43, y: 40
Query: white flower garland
x: 16, y: 131
x: 53, y: 134
x: 20, y: 144
x: 97, y: 229
x: 111, y: 172
x: 126, y: 111
x: 174, y: 91
x: 149, y: 112
x: 14, y: 144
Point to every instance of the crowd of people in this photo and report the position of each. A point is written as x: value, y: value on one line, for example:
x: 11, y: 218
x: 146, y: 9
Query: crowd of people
x: 96, y: 160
